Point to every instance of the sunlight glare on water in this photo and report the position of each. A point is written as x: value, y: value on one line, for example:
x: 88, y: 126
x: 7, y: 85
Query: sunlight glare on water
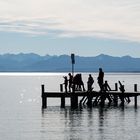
x: 21, y: 116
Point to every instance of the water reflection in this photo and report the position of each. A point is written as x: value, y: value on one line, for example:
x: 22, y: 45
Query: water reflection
x: 89, y: 123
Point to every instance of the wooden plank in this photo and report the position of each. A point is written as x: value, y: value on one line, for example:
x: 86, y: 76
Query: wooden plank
x: 62, y: 94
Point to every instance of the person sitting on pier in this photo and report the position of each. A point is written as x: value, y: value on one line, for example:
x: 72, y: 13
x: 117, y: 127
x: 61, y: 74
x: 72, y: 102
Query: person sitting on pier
x: 101, y: 98
x: 70, y: 81
x: 122, y: 89
x: 65, y: 83
x: 100, y: 78
x: 90, y: 83
x: 105, y: 89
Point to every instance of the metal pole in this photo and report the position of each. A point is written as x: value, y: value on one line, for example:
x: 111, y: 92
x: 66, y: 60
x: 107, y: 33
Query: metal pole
x: 72, y: 69
x: 72, y: 62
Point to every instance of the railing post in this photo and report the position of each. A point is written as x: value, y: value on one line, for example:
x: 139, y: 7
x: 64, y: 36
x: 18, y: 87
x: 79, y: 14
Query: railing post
x: 135, y: 87
x: 116, y: 87
x: 61, y: 87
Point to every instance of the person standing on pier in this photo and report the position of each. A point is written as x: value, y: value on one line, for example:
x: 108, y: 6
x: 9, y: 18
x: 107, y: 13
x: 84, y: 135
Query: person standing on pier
x: 70, y: 81
x: 90, y: 83
x: 100, y: 78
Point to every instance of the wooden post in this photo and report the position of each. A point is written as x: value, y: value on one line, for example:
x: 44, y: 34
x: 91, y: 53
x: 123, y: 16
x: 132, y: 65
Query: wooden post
x: 74, y: 101
x: 74, y: 98
x: 103, y: 97
x: 115, y: 100
x: 89, y: 101
x: 44, y: 98
x: 135, y: 87
x: 135, y: 98
x: 116, y: 87
x: 61, y: 87
x: 122, y: 99
x: 73, y: 88
x: 63, y: 101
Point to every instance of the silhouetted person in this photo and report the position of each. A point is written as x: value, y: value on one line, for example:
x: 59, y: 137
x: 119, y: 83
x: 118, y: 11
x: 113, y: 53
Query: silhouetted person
x: 70, y: 81
x: 100, y: 78
x: 105, y: 89
x: 81, y: 83
x: 90, y: 83
x: 122, y: 89
x: 65, y: 83
x: 77, y: 81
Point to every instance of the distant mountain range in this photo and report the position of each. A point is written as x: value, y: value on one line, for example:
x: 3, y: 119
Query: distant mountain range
x: 35, y: 63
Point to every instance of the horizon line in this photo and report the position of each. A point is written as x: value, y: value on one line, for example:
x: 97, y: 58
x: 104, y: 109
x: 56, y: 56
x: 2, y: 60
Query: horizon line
x: 24, y: 53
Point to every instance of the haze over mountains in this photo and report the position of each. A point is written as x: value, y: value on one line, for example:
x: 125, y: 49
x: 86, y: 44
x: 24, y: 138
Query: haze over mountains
x: 35, y: 63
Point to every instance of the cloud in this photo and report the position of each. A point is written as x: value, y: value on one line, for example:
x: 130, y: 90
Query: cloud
x: 64, y: 18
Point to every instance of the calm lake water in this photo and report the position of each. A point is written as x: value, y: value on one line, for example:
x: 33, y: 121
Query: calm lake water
x: 21, y: 116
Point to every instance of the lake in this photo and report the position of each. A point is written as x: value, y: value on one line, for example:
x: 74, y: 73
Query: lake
x: 21, y: 116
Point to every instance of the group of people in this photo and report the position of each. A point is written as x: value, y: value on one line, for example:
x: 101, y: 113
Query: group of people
x: 76, y: 83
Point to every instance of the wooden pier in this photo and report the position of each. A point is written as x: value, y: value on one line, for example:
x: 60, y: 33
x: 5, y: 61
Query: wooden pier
x: 90, y: 98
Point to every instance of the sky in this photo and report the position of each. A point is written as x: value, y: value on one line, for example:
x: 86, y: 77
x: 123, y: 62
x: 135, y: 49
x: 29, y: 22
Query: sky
x: 83, y: 27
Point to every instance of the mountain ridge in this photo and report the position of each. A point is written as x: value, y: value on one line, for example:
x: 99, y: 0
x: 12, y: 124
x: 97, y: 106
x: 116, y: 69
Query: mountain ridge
x: 31, y: 62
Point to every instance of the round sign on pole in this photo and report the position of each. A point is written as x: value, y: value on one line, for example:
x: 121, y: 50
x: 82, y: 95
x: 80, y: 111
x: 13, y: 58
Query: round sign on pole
x: 73, y: 58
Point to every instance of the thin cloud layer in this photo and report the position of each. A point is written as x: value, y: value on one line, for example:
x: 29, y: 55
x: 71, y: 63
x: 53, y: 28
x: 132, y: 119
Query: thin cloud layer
x: 63, y: 18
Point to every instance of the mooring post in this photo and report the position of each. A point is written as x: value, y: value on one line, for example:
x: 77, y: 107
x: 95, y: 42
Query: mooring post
x: 44, y: 98
x: 135, y: 87
x: 63, y: 101
x: 116, y: 87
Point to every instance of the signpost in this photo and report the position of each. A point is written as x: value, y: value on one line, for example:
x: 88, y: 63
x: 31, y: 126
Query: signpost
x: 73, y: 62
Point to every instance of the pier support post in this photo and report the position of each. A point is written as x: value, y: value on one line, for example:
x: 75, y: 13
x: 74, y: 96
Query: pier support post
x: 115, y: 100
x: 63, y: 101
x: 135, y: 97
x: 74, y: 98
x: 44, y: 98
x: 74, y: 101
x: 89, y: 101
x: 135, y: 100
x: 122, y: 99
